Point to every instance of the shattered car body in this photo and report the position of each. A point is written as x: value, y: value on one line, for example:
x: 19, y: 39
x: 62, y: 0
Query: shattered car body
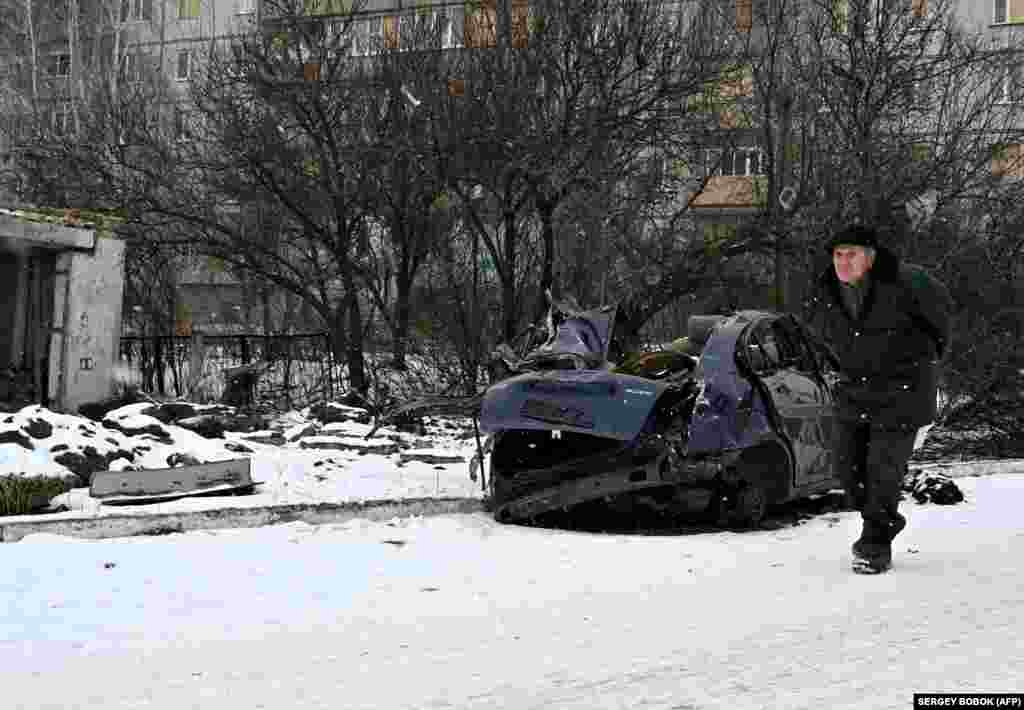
x: 736, y: 420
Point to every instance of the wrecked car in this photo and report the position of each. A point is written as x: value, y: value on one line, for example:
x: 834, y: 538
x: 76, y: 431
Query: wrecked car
x: 731, y: 419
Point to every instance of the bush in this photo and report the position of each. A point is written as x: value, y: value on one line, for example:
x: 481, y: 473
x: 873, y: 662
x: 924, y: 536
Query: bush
x: 21, y: 495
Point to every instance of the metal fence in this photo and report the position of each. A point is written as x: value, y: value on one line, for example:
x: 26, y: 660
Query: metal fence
x: 284, y: 371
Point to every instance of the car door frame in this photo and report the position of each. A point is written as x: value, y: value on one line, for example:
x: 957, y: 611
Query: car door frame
x: 799, y: 425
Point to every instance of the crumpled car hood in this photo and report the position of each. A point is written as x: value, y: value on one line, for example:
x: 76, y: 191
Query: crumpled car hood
x: 596, y: 402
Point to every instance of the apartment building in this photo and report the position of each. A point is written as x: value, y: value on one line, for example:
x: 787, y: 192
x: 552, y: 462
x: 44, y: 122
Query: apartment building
x: 175, y: 35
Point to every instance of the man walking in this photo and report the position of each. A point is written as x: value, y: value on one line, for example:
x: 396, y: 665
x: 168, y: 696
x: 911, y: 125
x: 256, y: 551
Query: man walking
x: 889, y: 324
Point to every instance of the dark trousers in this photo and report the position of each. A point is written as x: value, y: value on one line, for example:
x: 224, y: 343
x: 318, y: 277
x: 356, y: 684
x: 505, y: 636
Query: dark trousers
x: 871, y: 463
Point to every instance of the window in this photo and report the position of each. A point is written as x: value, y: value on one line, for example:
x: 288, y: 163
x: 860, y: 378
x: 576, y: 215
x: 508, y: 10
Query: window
x: 744, y: 15
x: 61, y: 120
x: 778, y: 344
x: 246, y: 7
x: 368, y: 36
x: 184, y: 66
x: 520, y: 24
x: 136, y: 10
x: 327, y: 7
x: 1008, y: 160
x: 188, y: 9
x: 131, y: 66
x: 1008, y: 11
x: 445, y: 29
x: 428, y: 28
x: 744, y: 162
x: 920, y: 152
x: 392, y: 30
x: 763, y: 353
x: 183, y: 129
x: 718, y: 232
x: 480, y: 24
x: 58, y: 64
x: 840, y: 12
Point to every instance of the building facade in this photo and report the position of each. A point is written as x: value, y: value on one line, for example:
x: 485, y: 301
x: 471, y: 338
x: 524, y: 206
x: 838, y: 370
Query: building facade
x: 61, y: 283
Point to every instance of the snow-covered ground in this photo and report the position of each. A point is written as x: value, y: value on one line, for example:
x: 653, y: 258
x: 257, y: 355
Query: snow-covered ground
x: 460, y: 612
x: 317, y: 463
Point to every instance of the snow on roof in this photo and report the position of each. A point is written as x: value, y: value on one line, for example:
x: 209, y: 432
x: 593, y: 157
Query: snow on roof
x: 74, y: 217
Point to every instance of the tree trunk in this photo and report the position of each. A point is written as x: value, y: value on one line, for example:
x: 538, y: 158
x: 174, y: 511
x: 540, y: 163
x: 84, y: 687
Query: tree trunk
x: 508, y: 282
x: 354, y: 354
x: 34, y: 49
x: 403, y: 310
x: 356, y: 361
x: 338, y: 332
x: 73, y: 69
x: 547, y: 275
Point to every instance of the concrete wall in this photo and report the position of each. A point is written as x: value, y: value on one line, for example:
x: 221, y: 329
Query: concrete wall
x: 87, y: 299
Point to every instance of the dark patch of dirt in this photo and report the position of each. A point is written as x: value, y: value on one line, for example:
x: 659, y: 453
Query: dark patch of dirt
x: 39, y: 429
x: 99, y: 409
x: 170, y: 412
x: 382, y: 449
x: 207, y: 426
x: 89, y: 461
x: 16, y: 437
x: 330, y: 413
x: 154, y: 430
x: 178, y: 459
x: 598, y: 517
x: 405, y: 458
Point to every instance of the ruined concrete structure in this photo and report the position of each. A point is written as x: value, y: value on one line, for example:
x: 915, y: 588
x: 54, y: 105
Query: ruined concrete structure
x: 61, y: 291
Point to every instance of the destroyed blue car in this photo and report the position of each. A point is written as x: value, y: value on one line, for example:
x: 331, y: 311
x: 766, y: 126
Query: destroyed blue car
x: 733, y: 418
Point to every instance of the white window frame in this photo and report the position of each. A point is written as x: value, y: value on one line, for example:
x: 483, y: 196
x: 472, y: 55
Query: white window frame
x: 369, y: 36
x: 431, y: 20
x: 182, y: 124
x: 136, y: 10
x: 716, y: 161
x: 1005, y: 5
x: 185, y: 5
x: 443, y: 20
x: 131, y: 66
x: 61, y: 119
x: 187, y: 54
x: 57, y: 66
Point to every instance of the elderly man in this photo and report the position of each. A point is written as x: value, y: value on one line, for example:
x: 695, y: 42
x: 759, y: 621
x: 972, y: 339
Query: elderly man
x: 889, y: 325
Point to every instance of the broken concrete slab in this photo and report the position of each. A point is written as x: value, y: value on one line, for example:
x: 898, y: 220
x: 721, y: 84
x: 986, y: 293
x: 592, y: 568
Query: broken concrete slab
x: 178, y: 481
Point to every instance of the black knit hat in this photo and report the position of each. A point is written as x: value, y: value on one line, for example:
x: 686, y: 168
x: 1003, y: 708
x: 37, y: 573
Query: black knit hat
x: 854, y: 235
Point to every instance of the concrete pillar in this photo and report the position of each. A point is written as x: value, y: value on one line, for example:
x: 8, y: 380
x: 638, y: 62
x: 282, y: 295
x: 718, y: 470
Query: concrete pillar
x: 20, y: 304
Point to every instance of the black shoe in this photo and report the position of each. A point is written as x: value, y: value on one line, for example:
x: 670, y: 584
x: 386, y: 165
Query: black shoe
x: 871, y: 558
x: 896, y: 526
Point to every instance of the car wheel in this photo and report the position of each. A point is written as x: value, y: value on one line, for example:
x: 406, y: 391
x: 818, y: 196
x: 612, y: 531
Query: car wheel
x: 747, y: 505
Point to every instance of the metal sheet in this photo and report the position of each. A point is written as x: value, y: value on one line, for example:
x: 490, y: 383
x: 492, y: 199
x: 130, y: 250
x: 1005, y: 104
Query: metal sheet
x: 183, y: 480
x: 593, y: 402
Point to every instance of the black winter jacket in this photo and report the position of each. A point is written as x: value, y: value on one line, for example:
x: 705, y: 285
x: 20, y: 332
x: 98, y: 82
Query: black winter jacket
x: 888, y: 356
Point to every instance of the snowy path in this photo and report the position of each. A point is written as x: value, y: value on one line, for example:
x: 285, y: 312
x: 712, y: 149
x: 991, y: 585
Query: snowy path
x: 459, y: 612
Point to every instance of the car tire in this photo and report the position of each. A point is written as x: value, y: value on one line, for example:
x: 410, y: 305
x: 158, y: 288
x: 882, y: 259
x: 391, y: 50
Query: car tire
x: 746, y: 505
